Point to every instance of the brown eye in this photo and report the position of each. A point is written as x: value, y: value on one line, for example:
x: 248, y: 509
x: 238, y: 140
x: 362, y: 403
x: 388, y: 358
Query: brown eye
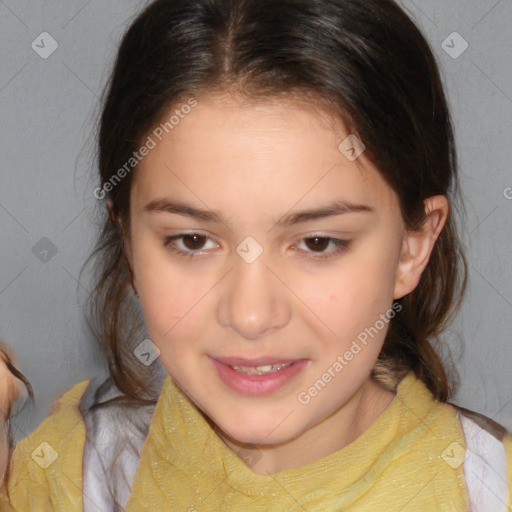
x: 319, y: 243
x: 188, y: 244
x: 194, y: 242
x: 317, y: 247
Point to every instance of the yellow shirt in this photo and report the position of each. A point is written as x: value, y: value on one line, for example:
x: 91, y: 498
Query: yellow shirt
x: 398, y: 464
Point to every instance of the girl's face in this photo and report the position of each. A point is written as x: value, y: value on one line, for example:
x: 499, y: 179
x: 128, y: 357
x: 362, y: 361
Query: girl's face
x: 262, y: 268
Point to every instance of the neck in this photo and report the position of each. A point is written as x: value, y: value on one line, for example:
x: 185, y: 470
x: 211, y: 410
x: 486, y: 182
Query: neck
x: 332, y: 434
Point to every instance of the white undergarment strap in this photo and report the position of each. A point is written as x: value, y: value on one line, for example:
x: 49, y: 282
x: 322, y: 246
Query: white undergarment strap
x: 485, y: 468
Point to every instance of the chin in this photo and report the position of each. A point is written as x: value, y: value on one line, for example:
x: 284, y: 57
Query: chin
x: 256, y: 431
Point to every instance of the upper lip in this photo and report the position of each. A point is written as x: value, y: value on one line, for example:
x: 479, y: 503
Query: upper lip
x: 259, y: 361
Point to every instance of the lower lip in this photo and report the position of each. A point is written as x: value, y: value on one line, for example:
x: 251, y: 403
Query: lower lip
x: 257, y: 384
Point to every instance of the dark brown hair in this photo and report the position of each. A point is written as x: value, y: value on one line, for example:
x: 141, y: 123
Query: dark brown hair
x: 366, y: 62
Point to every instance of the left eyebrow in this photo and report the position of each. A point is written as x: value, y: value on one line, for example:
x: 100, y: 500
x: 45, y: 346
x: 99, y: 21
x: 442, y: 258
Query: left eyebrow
x: 337, y: 208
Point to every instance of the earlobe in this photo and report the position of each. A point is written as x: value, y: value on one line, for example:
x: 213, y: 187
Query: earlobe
x: 417, y: 246
x: 118, y: 222
x: 110, y: 208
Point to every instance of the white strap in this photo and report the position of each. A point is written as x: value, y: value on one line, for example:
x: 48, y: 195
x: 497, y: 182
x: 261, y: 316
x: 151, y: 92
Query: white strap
x: 485, y: 468
x: 115, y: 435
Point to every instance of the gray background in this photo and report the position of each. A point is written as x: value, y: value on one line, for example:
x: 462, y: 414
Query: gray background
x: 48, y: 108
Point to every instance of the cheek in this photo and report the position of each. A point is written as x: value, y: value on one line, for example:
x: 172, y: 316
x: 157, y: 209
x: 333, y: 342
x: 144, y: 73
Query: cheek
x: 352, y: 298
x: 170, y: 312
x: 171, y: 304
x: 167, y: 293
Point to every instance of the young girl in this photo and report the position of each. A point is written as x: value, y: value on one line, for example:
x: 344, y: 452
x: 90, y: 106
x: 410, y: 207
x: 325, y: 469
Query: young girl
x: 277, y: 177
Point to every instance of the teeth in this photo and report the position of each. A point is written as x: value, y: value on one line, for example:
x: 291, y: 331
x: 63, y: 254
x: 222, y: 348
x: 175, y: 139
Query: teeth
x: 261, y: 370
x: 264, y: 369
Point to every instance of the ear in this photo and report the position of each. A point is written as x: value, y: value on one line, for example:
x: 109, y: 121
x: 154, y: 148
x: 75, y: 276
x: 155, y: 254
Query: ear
x: 116, y: 219
x: 110, y: 208
x: 417, y: 246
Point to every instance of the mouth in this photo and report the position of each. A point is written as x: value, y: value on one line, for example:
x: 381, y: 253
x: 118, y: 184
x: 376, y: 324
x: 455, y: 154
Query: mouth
x: 257, y: 376
x: 261, y: 370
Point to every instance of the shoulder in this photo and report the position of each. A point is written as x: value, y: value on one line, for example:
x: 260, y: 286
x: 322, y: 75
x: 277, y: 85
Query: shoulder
x: 488, y: 460
x: 116, y: 431
x: 484, y: 422
x: 477, y: 447
x: 53, y: 449
x: 63, y: 426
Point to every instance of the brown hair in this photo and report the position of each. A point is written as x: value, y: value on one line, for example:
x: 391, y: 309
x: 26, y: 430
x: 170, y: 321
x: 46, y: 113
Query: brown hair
x: 363, y: 60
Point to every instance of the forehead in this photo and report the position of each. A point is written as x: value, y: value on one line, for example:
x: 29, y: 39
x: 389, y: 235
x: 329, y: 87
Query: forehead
x: 272, y: 153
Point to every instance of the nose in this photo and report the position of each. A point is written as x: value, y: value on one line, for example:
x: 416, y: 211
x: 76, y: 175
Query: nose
x: 253, y: 301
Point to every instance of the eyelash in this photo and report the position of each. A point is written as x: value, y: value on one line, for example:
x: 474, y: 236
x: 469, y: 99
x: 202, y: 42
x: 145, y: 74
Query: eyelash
x: 341, y: 246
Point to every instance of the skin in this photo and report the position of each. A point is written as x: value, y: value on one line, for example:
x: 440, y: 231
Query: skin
x: 254, y: 163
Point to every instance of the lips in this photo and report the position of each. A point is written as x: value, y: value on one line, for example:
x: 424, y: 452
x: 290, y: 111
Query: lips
x: 257, y: 376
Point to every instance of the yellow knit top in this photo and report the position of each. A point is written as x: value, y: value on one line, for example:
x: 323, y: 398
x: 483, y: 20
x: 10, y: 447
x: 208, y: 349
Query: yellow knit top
x: 403, y: 462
